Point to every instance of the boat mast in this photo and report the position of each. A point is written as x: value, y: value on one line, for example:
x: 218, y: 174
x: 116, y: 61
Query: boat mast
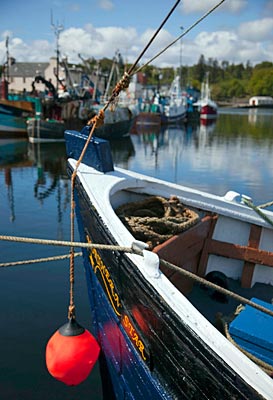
x: 57, y: 30
x: 180, y: 61
x: 6, y: 68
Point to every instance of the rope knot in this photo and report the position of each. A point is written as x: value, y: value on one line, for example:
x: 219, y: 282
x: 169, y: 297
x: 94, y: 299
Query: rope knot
x: 122, y: 84
x: 71, y: 311
x: 97, y: 120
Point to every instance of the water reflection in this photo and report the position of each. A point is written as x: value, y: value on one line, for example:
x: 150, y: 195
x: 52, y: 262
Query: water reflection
x: 10, y: 193
x: 122, y: 150
x: 48, y: 162
x: 230, y: 153
x: 13, y: 152
x: 233, y: 152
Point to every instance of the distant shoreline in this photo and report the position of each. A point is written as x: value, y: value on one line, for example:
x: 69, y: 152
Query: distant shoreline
x: 241, y: 104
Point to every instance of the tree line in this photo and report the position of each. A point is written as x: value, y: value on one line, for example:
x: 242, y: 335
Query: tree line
x: 227, y: 80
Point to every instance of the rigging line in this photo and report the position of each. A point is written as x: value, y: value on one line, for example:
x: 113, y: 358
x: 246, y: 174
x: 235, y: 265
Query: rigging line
x: 153, y: 37
x: 220, y: 289
x: 258, y: 211
x: 38, y: 260
x: 181, y: 36
x: 131, y: 250
x: 269, y: 204
x: 64, y: 243
x: 125, y: 80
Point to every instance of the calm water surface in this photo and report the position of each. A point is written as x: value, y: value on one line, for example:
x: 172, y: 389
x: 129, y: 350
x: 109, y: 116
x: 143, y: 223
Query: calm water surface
x: 234, y: 153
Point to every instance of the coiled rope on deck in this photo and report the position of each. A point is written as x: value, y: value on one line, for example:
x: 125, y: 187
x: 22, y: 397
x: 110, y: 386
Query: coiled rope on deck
x: 156, y: 219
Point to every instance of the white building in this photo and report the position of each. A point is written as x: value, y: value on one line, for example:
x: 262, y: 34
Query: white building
x: 22, y: 75
x: 260, y: 101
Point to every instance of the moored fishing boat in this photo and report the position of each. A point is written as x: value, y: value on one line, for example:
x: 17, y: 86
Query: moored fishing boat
x: 175, y: 111
x: 150, y: 114
x: 117, y: 123
x: 207, y: 107
x: 40, y: 130
x: 13, y: 116
x: 160, y: 329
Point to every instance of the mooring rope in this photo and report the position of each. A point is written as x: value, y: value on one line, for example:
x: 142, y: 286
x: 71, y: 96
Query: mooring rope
x: 211, y: 285
x: 38, y: 260
x: 262, y: 364
x: 180, y: 36
x: 257, y: 210
x: 96, y: 121
x: 268, y: 204
x: 133, y: 250
x: 50, y: 242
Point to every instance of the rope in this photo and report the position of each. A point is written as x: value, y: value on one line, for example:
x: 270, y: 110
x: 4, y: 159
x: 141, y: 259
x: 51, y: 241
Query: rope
x: 262, y: 364
x: 269, y: 204
x: 132, y: 250
x: 95, y: 121
x: 71, y: 244
x: 181, y: 36
x: 153, y: 37
x: 156, y: 219
x: 123, y: 84
x: 257, y: 210
x: 38, y: 260
x: 227, y: 292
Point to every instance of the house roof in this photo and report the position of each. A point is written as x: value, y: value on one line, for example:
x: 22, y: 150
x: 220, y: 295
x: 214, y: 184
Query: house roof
x: 27, y: 69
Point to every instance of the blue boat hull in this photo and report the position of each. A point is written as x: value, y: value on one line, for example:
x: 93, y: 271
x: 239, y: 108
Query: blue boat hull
x: 124, y: 364
x: 148, y: 352
x: 11, y: 124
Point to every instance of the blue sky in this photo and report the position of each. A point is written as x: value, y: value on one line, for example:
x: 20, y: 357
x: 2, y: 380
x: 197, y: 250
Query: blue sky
x: 238, y: 31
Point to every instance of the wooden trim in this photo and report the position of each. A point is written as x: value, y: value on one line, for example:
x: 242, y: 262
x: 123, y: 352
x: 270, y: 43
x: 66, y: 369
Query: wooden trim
x: 248, y: 269
x: 244, y: 253
x: 205, y: 252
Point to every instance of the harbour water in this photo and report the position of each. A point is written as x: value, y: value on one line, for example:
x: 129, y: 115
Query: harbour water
x: 232, y: 153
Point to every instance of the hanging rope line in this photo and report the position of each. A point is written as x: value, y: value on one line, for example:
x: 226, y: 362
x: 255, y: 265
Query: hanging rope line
x: 211, y: 285
x: 268, y: 204
x: 49, y: 242
x: 181, y: 36
x: 262, y: 364
x: 152, y: 38
x: 38, y: 260
x: 97, y: 121
x: 132, y: 250
x: 257, y: 210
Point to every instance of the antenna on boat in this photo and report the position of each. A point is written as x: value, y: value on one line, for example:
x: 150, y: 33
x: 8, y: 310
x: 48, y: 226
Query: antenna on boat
x: 6, y: 69
x: 57, y: 28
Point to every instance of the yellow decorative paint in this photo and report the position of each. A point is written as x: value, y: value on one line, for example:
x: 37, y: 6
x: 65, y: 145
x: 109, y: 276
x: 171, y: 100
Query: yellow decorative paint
x: 128, y: 326
x: 97, y: 265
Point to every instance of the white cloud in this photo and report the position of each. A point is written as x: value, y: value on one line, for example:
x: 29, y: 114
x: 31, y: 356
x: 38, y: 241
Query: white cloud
x: 240, y: 45
x: 192, y: 6
x: 261, y: 29
x: 106, y: 4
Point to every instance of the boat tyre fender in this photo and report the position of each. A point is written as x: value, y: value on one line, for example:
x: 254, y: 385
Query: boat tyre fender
x: 220, y: 279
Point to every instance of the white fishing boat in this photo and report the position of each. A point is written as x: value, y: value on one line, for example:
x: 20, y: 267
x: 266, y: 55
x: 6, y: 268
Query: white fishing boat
x: 164, y: 295
x: 207, y: 107
x: 175, y: 110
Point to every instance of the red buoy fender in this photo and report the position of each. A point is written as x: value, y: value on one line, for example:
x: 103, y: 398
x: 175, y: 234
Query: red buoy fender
x: 71, y: 357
